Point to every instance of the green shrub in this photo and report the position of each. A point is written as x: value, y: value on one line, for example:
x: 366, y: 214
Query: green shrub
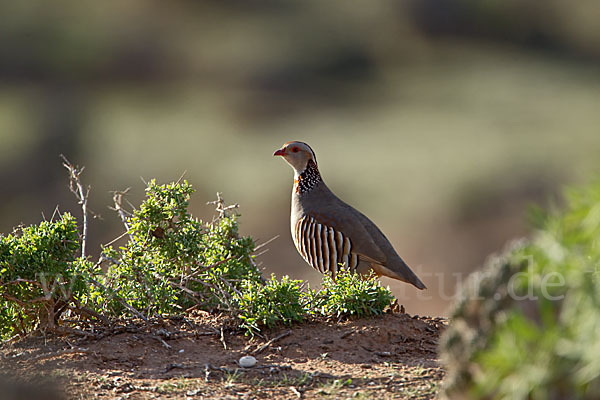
x: 270, y: 304
x: 528, y: 325
x: 351, y: 294
x: 40, y: 275
x: 173, y: 261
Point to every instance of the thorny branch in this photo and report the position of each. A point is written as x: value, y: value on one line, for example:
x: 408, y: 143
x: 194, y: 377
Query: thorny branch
x: 118, y: 200
x: 82, y: 196
x: 221, y: 207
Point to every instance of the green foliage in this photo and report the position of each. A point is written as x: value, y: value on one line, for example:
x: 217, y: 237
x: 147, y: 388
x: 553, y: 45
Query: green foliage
x: 170, y: 262
x: 351, y: 295
x: 173, y: 261
x: 39, y: 274
x: 528, y: 325
x: 283, y: 302
x: 48, y: 247
x: 276, y: 302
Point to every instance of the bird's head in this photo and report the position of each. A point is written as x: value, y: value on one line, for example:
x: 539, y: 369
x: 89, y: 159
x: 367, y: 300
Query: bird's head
x: 297, y: 154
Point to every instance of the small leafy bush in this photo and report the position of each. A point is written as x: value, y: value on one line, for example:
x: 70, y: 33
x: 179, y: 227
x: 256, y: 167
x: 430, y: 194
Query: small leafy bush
x: 528, y: 325
x: 266, y: 305
x: 173, y: 261
x: 351, y: 295
x: 40, y: 275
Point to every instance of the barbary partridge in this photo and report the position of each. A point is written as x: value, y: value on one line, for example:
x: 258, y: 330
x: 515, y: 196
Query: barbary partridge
x: 328, y: 233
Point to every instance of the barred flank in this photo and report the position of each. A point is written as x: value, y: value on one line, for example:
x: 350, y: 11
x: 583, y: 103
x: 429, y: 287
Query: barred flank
x: 322, y: 247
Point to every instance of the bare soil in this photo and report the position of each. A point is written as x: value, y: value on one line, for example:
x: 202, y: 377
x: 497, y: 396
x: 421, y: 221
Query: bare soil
x: 393, y: 356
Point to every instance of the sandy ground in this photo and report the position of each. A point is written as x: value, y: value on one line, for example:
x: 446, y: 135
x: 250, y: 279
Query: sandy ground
x: 393, y: 356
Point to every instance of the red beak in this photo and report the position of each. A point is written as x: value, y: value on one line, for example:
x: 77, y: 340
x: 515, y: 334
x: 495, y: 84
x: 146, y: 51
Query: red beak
x: 280, y: 152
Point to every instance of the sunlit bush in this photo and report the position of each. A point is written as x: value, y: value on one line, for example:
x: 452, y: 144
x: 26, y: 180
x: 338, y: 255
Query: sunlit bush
x: 40, y: 275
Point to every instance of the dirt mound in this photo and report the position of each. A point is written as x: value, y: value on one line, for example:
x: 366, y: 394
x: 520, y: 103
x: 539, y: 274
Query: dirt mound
x: 392, y: 356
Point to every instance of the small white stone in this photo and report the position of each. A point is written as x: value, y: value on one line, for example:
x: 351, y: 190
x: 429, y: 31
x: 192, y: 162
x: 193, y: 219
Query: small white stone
x: 182, y: 350
x: 247, y: 362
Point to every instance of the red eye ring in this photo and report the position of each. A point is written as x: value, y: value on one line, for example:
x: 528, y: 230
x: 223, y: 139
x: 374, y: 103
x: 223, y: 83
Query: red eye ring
x: 295, y: 149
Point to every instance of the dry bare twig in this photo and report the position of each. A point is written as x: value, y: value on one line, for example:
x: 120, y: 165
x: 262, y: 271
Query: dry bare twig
x: 221, y: 208
x: 118, y: 200
x: 223, y: 339
x: 270, y: 342
x: 161, y: 340
x: 82, y: 196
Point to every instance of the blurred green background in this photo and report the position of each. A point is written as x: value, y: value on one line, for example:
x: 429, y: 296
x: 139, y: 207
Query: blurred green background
x: 440, y: 120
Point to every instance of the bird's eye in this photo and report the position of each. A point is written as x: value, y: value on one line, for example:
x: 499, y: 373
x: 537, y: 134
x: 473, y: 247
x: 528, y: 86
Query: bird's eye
x: 295, y: 149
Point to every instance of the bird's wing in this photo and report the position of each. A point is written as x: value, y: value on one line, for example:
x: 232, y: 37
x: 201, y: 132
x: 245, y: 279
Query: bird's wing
x: 343, y: 218
x: 368, y: 242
